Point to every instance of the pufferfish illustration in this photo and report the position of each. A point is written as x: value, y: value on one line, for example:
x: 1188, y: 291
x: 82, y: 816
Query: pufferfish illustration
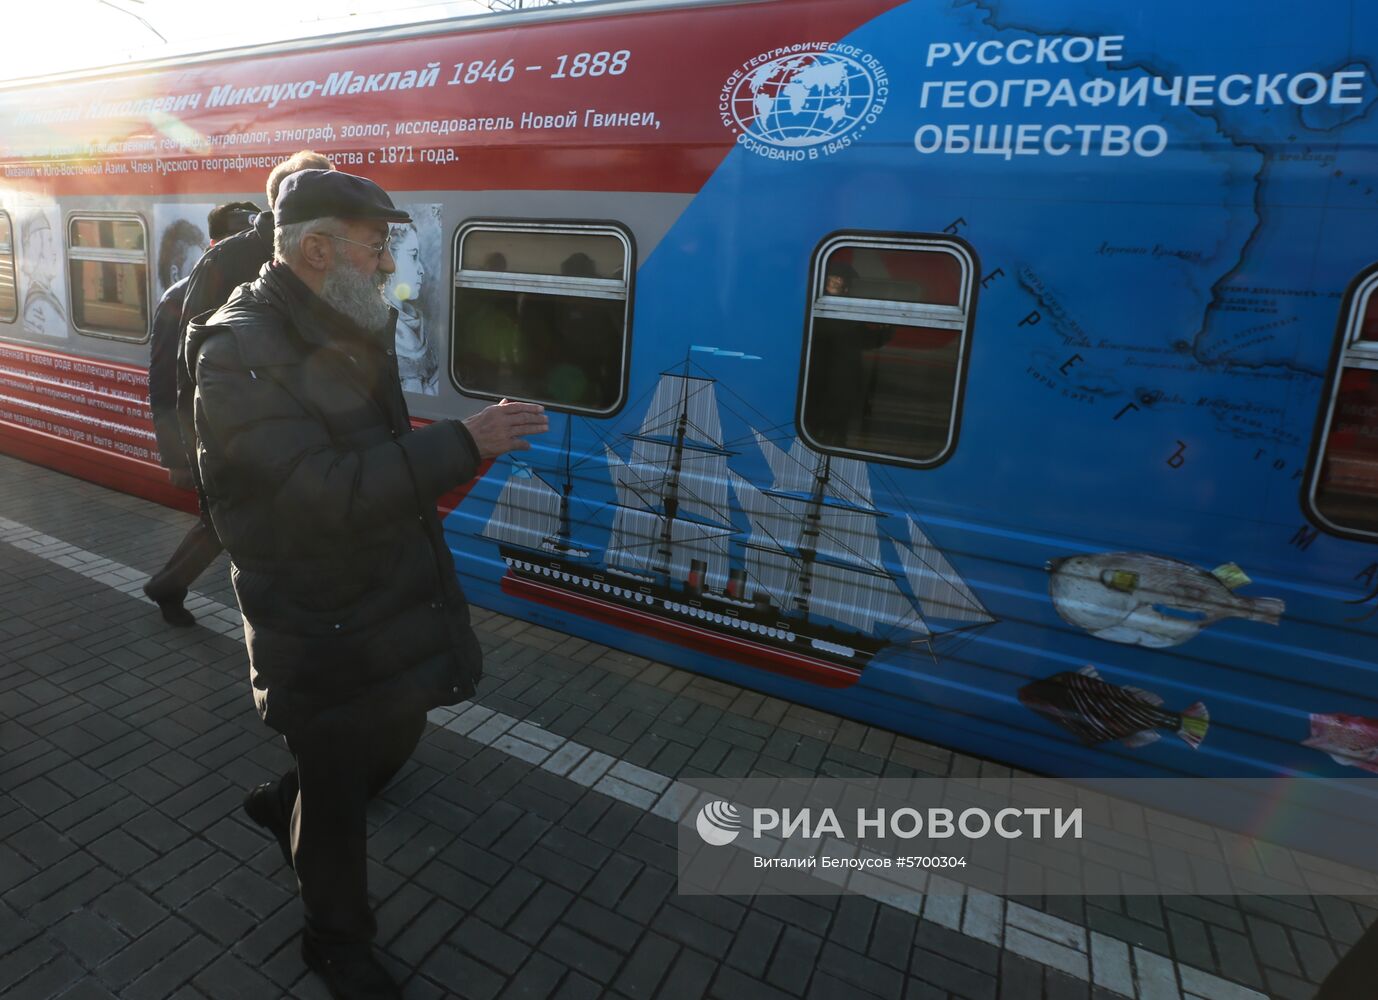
x: 1147, y: 600
x: 1096, y: 711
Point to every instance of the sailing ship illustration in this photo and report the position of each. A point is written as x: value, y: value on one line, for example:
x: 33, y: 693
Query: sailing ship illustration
x: 805, y: 591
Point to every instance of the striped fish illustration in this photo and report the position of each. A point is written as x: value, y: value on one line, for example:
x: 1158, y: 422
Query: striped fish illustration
x: 1096, y: 711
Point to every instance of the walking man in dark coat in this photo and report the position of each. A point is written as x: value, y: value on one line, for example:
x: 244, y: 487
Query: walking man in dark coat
x: 325, y: 499
x: 198, y: 549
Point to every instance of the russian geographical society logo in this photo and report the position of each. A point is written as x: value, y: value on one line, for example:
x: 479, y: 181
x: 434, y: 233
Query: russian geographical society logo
x: 719, y: 823
x: 804, y: 101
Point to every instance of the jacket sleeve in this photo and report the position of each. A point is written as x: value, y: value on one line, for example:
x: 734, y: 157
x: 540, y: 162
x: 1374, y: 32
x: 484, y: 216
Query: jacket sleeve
x: 257, y: 438
x: 162, y: 383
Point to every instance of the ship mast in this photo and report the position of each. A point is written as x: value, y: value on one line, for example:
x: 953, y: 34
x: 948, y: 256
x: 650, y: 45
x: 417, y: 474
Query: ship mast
x: 808, y: 534
x: 670, y: 496
x: 562, y: 538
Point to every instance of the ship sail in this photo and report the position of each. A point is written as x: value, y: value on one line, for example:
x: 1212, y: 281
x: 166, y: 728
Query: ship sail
x: 635, y: 540
x: 941, y: 591
x: 860, y: 599
x: 769, y: 567
x: 701, y: 488
x: 696, y: 399
x: 527, y: 511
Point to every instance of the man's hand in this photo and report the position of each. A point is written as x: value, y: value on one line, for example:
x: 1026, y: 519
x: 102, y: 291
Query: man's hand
x: 503, y: 427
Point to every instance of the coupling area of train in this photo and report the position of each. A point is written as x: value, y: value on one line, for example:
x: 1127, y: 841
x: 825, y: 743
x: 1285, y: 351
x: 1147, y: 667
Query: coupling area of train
x: 1003, y: 373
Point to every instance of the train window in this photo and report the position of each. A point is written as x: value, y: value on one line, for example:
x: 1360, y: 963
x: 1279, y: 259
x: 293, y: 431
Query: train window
x: 1343, y: 483
x: 107, y: 261
x: 886, y: 347
x: 542, y: 313
x: 9, y: 300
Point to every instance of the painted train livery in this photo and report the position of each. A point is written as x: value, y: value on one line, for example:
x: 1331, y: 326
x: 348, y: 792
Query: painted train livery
x: 1001, y: 372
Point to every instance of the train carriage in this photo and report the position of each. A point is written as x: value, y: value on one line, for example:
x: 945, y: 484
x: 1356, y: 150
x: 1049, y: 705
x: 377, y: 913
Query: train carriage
x: 1003, y: 373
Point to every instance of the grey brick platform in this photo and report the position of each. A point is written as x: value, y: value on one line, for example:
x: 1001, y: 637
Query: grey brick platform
x: 522, y: 852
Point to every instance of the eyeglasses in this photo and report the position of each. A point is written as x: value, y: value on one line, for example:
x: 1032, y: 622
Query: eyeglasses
x: 378, y: 248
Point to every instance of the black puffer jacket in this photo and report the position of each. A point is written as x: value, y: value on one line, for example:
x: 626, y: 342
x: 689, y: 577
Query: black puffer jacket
x: 325, y: 499
x: 233, y: 261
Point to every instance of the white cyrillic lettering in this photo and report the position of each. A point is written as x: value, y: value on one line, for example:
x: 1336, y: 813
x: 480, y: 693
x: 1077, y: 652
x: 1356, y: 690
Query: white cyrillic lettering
x: 989, y: 95
x: 1227, y: 97
x: 1072, y: 822
x: 1158, y: 132
x: 1175, y: 92
x: 1058, y: 150
x: 1035, y: 89
x: 1065, y: 93
x: 921, y: 143
x: 993, y: 146
x: 1200, y: 91
x: 1115, y: 140
x: 1094, y: 92
x: 335, y: 83
x: 1345, y: 81
x: 914, y: 823
x: 1318, y: 82
x: 1268, y: 87
x: 982, y: 827
x: 1000, y: 827
x: 1086, y: 50
x: 1109, y: 48
x: 1024, y: 45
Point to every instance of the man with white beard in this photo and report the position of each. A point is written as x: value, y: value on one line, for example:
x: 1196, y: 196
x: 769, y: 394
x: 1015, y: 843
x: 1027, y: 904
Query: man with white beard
x: 325, y: 499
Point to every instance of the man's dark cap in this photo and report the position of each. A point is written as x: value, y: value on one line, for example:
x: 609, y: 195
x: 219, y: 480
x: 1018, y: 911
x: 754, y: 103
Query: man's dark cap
x: 322, y: 194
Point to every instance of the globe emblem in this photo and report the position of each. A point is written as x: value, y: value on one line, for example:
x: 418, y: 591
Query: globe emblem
x: 719, y: 823
x: 805, y: 99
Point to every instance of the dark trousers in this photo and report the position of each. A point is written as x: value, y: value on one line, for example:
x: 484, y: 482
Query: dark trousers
x: 340, y: 765
x: 1356, y: 977
x: 197, y: 551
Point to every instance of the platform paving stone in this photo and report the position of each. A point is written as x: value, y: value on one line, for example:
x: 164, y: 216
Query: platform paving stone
x: 527, y: 850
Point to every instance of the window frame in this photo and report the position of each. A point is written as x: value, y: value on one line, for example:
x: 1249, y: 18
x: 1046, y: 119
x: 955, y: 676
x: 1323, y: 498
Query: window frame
x: 1348, y: 352
x: 961, y: 317
x: 14, y: 267
x: 108, y: 255
x: 608, y: 289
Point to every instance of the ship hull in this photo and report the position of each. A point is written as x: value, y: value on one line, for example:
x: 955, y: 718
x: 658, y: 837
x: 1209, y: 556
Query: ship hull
x: 677, y: 617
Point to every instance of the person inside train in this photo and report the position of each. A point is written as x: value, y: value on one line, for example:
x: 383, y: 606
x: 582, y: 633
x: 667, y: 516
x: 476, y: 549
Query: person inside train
x: 325, y: 497
x: 168, y: 587
x: 490, y: 344
x: 589, y: 339
x: 839, y: 388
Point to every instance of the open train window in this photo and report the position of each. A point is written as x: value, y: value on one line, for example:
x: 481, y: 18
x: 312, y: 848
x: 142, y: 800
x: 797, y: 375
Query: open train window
x: 886, y: 346
x: 107, y: 262
x: 1342, y: 484
x: 9, y: 300
x: 542, y: 313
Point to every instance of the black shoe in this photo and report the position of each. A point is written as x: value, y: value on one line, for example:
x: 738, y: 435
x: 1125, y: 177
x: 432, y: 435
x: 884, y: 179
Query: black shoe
x: 351, y: 972
x: 173, y: 612
x: 262, y: 805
